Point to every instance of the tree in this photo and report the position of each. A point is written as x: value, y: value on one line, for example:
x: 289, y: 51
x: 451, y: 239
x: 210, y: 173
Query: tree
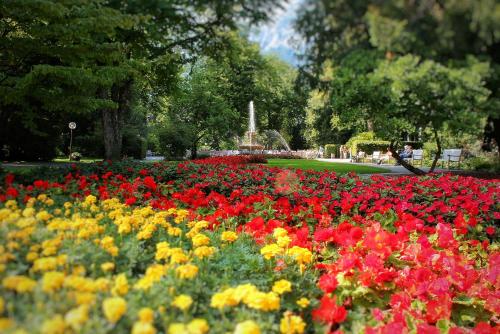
x: 428, y: 94
x: 46, y: 67
x: 200, y: 107
x: 60, y: 58
x: 447, y: 32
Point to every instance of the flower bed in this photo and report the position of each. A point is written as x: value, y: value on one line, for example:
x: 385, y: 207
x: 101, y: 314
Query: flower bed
x: 204, y: 247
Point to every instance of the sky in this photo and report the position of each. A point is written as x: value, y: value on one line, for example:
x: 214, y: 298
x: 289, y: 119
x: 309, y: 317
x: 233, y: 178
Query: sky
x: 274, y: 36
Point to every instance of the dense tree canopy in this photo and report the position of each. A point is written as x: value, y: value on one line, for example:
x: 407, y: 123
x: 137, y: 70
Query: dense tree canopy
x: 59, y: 59
x: 399, y: 66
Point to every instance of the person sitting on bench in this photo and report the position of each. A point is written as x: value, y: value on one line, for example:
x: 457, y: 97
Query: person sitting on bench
x: 407, y: 153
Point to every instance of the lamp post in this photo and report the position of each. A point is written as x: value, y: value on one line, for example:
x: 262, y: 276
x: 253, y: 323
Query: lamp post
x: 72, y: 126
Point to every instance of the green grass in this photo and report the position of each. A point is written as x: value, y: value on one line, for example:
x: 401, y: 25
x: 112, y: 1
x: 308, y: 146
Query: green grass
x: 323, y: 165
x: 82, y: 160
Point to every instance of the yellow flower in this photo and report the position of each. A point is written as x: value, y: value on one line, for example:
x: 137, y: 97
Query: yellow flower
x: 303, y: 302
x: 301, y: 255
x: 107, y: 266
x: 31, y: 256
x: 174, y: 231
x: 204, y: 251
x: 146, y: 314
x: 198, y: 326
x: 76, y: 317
x: 264, y: 301
x: 2, y: 305
x: 229, y: 236
x: 291, y: 324
x: 107, y: 243
x: 19, y: 283
x: 243, y: 291
x: 283, y: 241
x: 84, y: 298
x: 43, y: 215
x: 90, y: 199
x: 141, y: 327
x: 56, y: 325
x: 114, y: 308
x: 6, y: 323
x: 28, y: 212
x: 177, y: 255
x: 282, y: 286
x: 270, y: 251
x: 224, y: 298
x: 178, y: 328
x: 182, y: 302
x: 52, y: 281
x: 247, y: 327
x: 279, y: 232
x: 186, y: 271
x: 162, y: 250
x: 121, y: 285
x: 200, y: 240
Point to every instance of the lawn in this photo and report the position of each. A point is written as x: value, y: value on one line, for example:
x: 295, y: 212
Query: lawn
x: 323, y: 165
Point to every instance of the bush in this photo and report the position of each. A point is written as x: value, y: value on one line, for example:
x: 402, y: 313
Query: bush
x: 484, y: 163
x: 369, y: 146
x: 134, y: 146
x: 332, y: 149
x: 173, y: 141
x: 360, y: 136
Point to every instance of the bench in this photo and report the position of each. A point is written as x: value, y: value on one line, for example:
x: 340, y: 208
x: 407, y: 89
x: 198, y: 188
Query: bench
x: 358, y: 157
x: 416, y: 155
x: 450, y: 156
x: 376, y: 156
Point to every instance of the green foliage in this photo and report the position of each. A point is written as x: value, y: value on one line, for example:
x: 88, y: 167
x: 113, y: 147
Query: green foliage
x: 369, y: 146
x: 173, y: 140
x: 434, y: 82
x: 332, y: 149
x: 484, y: 162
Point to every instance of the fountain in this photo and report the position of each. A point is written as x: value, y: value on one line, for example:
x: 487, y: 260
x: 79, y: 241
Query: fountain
x: 250, y: 142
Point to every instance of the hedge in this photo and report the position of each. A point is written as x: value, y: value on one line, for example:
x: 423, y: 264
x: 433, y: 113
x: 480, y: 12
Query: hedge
x: 332, y: 149
x: 369, y: 146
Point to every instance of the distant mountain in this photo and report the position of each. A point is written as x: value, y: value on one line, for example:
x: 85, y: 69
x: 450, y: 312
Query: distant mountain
x: 275, y: 37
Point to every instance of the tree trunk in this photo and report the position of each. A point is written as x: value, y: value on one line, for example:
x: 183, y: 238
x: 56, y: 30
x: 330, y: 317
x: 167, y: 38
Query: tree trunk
x: 194, y: 150
x: 438, y: 153
x: 112, y: 119
x: 403, y: 163
x: 491, y: 133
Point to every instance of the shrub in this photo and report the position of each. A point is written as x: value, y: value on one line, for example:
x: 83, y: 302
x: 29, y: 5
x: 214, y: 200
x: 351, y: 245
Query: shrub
x: 369, y: 146
x: 360, y: 136
x: 173, y: 141
x: 332, y: 149
x: 484, y: 162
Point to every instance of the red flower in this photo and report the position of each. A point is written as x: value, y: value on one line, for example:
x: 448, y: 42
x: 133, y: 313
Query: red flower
x: 438, y: 309
x: 490, y: 230
x: 328, y: 283
x: 329, y: 312
x: 130, y: 200
x: 12, y: 192
x: 150, y: 183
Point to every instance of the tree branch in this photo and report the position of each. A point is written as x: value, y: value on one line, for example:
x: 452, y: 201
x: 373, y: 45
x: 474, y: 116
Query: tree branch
x: 438, y: 153
x: 402, y: 162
